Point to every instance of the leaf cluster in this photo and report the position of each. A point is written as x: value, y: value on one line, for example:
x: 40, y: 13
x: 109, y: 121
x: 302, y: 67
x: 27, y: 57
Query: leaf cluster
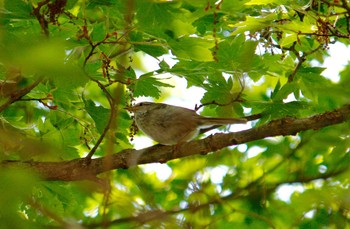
x: 69, y: 68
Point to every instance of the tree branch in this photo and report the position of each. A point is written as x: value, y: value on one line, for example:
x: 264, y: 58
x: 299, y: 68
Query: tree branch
x: 78, y: 169
x: 19, y: 94
x: 246, y: 192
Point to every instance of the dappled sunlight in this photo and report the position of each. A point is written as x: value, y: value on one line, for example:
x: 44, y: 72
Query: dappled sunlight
x: 264, y: 141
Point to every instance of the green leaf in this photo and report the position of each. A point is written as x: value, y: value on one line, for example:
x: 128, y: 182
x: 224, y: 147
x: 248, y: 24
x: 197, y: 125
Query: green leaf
x: 98, y: 113
x: 153, y: 47
x: 312, y: 83
x: 164, y: 65
x: 288, y: 39
x: 164, y: 19
x: 254, y: 24
x: 277, y: 88
x: 305, y: 26
x: 218, y: 92
x: 195, y: 72
x: 45, y: 58
x: 16, y: 186
x: 18, y: 9
x: 237, y: 54
x: 280, y: 110
x: 99, y: 32
x: 191, y: 48
x: 149, y: 86
x: 286, y: 90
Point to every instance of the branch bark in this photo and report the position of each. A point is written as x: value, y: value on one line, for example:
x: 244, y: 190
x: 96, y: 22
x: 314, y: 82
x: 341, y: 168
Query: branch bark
x: 79, y: 169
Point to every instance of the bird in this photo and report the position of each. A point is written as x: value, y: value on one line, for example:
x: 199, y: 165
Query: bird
x: 171, y: 125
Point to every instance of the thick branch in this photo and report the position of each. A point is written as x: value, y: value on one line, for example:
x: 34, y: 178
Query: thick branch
x: 78, y: 169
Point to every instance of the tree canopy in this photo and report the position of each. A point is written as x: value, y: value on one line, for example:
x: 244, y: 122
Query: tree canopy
x: 68, y: 68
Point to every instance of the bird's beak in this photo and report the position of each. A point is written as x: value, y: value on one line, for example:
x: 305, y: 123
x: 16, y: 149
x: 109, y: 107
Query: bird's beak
x: 130, y: 109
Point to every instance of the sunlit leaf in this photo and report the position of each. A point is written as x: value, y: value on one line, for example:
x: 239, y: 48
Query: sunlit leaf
x: 149, y: 86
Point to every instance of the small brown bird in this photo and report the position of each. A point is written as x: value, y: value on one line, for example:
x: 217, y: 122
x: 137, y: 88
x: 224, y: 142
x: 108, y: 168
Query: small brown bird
x: 170, y: 125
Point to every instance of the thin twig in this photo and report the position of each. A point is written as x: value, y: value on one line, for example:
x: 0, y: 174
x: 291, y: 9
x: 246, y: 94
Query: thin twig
x: 112, y: 116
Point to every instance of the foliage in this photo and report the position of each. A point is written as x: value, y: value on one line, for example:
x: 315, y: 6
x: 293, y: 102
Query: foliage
x: 69, y: 67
